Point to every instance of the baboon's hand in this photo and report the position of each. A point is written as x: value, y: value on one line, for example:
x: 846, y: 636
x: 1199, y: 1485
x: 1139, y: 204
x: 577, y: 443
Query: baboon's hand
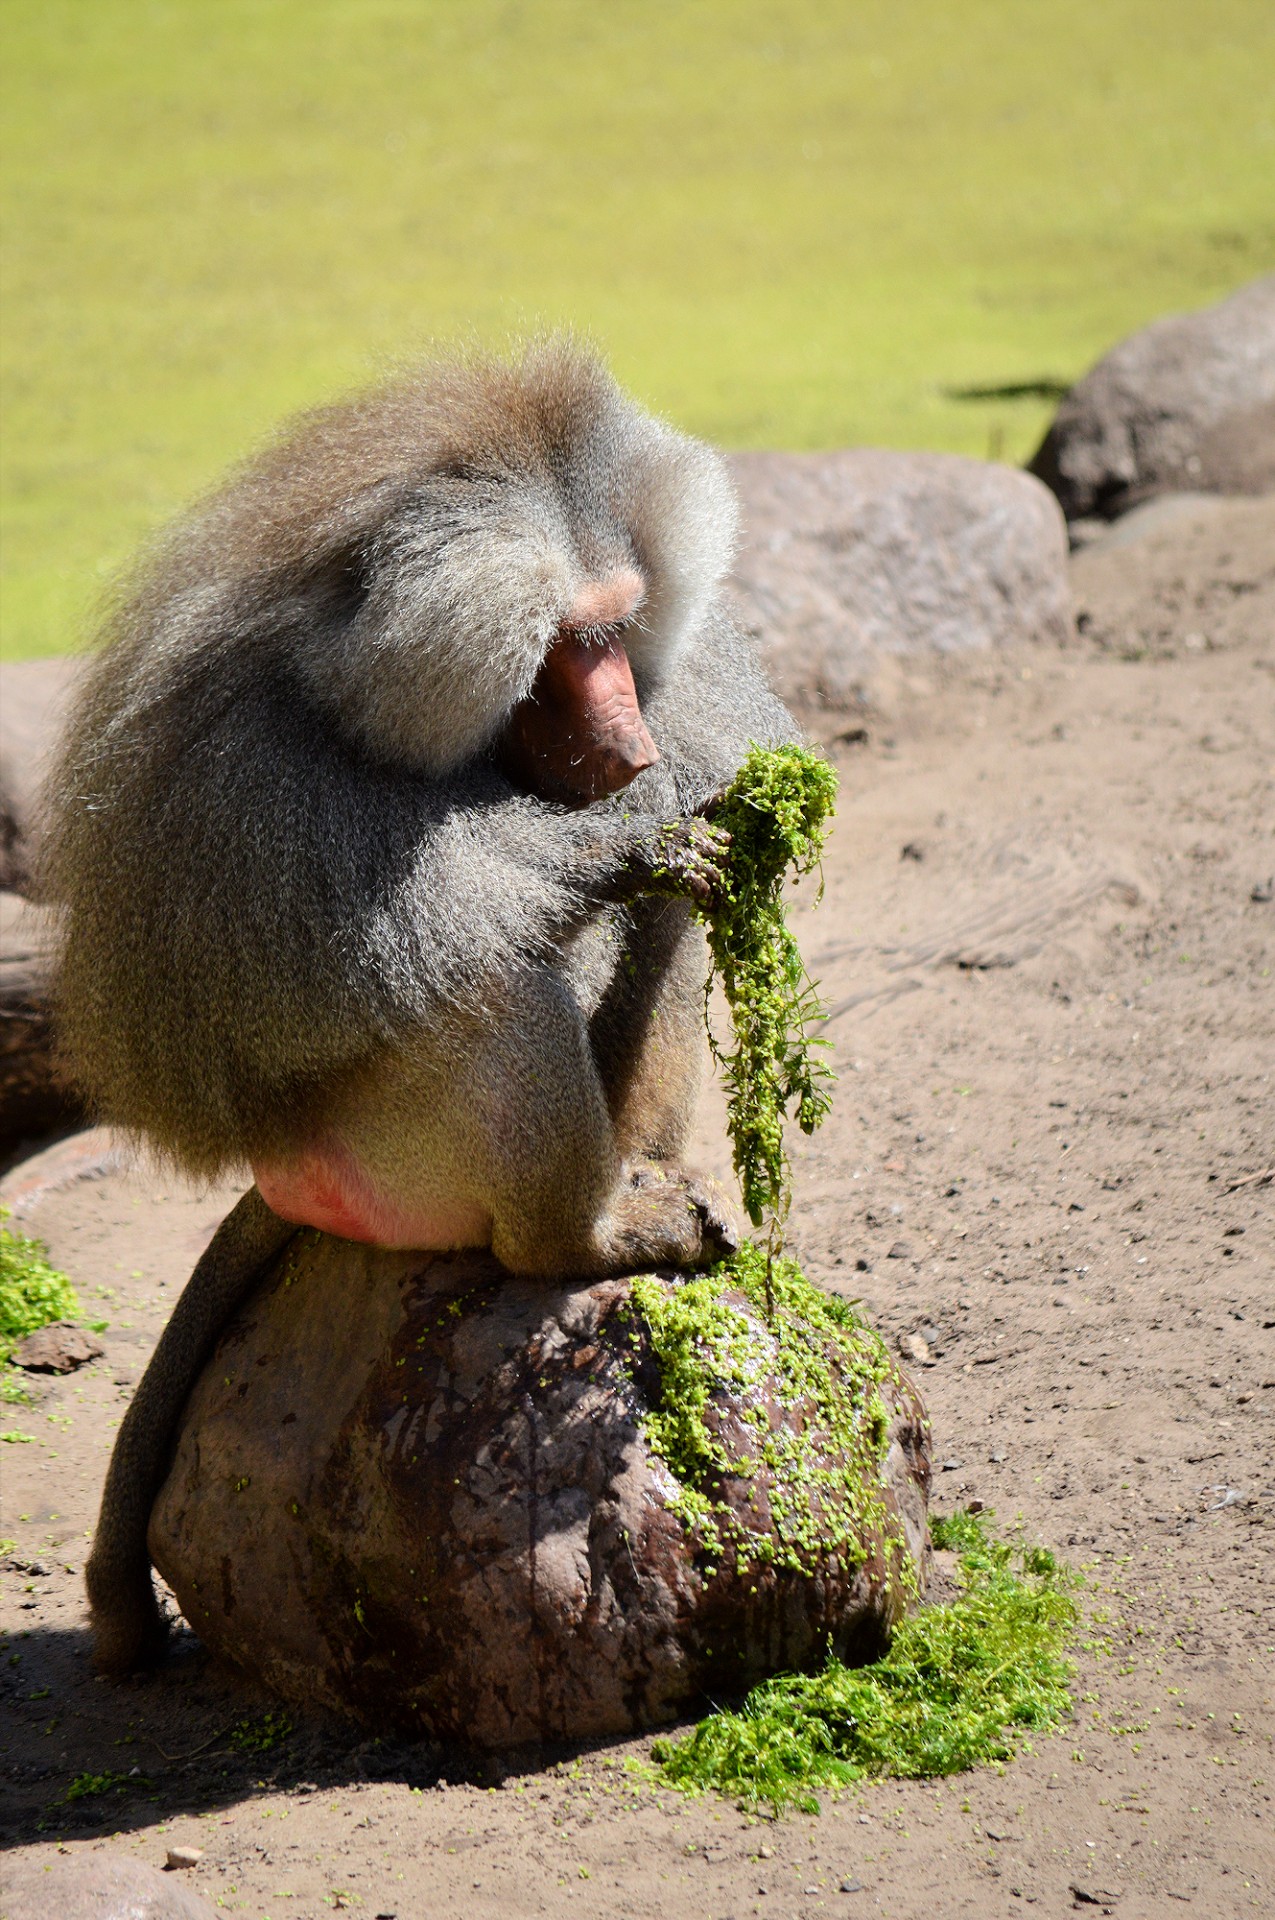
x: 686, y: 857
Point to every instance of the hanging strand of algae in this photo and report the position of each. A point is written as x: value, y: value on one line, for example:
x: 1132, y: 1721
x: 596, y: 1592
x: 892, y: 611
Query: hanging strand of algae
x: 777, y: 811
x: 962, y: 1683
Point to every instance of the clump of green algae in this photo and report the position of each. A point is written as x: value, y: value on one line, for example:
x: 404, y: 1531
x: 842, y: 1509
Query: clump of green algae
x: 823, y: 1483
x: 31, y: 1294
x: 959, y: 1685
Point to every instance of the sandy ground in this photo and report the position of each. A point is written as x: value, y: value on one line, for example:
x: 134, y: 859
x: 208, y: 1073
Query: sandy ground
x: 1049, y: 946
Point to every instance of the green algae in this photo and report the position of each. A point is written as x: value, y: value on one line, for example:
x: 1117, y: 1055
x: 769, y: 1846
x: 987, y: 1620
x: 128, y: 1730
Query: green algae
x: 32, y: 1292
x: 776, y: 811
x: 962, y: 1685
x: 755, y: 1322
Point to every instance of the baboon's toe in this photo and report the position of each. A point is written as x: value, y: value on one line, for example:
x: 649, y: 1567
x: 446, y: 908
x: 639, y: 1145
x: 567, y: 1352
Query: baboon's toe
x: 719, y: 1222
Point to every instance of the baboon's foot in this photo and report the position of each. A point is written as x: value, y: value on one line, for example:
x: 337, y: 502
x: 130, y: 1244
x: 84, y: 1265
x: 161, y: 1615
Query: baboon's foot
x: 720, y: 1227
x: 680, y: 1219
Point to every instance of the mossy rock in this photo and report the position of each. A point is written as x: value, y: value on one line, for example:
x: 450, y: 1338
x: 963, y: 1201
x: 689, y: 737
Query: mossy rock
x: 421, y: 1492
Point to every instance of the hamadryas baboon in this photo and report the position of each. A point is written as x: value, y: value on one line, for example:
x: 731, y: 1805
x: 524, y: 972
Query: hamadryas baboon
x: 376, y: 832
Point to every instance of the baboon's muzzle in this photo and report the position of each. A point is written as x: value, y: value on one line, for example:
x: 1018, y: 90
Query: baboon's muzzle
x: 579, y: 734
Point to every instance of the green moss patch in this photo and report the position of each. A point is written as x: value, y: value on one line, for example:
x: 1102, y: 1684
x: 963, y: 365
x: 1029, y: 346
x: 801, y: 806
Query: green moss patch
x: 32, y: 1292
x: 751, y: 1335
x: 776, y: 811
x: 961, y: 1686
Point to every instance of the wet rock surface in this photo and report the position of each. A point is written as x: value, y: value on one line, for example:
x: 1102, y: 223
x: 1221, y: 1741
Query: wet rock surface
x: 420, y: 1491
x: 1186, y: 403
x: 851, y: 557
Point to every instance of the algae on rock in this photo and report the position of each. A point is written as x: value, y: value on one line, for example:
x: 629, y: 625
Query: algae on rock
x: 825, y: 1478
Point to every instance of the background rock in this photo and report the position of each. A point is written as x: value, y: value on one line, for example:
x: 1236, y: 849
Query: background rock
x: 1183, y: 574
x: 93, y: 1154
x: 97, y: 1886
x: 856, y: 555
x: 32, y: 699
x: 1188, y: 402
x: 418, y: 1491
x: 35, y: 1097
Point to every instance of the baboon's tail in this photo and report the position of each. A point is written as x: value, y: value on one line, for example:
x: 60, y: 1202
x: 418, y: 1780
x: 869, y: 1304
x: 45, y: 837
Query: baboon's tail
x: 128, y: 1628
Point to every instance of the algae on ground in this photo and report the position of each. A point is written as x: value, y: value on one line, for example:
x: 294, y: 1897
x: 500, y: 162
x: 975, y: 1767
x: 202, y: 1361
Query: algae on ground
x: 32, y: 1292
x: 825, y: 1479
x: 776, y: 811
x: 961, y: 1685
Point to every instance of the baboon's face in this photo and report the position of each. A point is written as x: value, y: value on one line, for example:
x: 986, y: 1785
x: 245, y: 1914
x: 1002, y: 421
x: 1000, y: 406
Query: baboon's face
x: 535, y: 583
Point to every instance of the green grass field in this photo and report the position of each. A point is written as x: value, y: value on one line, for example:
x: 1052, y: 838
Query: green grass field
x: 798, y: 224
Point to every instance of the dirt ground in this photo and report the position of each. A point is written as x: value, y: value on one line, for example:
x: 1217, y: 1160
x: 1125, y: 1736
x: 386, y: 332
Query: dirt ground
x: 1048, y: 943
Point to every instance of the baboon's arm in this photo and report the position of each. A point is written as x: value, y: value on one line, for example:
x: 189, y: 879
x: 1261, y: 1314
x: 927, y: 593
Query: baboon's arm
x: 129, y: 1630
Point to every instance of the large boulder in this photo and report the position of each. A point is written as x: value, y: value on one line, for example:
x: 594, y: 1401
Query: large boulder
x: 852, y: 556
x: 1186, y: 403
x: 429, y: 1495
x: 33, y: 697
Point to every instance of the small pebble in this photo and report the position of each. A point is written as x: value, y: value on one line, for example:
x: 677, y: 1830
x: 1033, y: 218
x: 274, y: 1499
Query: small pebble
x: 184, y: 1857
x: 914, y: 1346
x: 901, y: 1250
x: 951, y: 1466
x: 852, y: 1886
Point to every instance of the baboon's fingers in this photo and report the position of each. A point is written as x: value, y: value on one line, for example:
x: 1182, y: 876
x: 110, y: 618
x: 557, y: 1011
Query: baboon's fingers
x: 706, y: 850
